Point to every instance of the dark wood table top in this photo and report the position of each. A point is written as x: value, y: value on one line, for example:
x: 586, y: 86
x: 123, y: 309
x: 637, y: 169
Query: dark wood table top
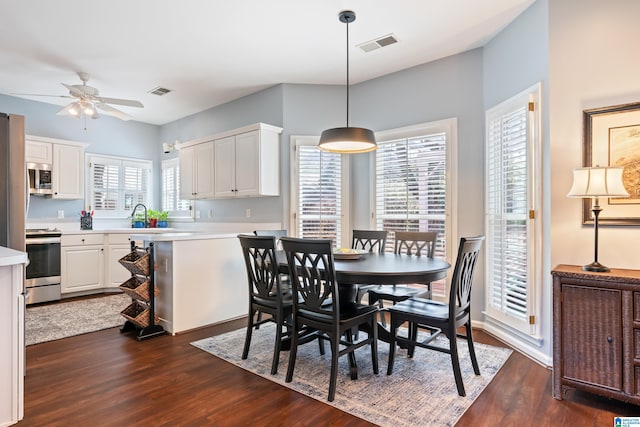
x: 386, y: 269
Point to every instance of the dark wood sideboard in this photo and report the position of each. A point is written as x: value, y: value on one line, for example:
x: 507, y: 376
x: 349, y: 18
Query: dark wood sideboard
x: 596, y: 332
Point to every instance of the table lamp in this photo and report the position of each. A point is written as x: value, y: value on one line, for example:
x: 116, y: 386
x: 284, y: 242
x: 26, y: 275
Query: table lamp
x: 596, y: 182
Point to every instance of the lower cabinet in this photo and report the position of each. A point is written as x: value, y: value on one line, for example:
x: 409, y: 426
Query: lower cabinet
x: 116, y: 246
x: 82, y: 258
x: 596, y: 332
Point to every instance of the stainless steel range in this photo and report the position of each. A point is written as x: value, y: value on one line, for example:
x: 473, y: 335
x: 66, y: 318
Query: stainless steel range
x: 43, y: 271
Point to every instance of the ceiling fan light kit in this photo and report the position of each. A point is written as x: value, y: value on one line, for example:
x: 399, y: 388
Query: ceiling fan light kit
x: 347, y: 139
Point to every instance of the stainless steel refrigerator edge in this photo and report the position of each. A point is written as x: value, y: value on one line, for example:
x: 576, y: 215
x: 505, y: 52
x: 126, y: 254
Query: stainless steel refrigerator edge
x: 13, y: 182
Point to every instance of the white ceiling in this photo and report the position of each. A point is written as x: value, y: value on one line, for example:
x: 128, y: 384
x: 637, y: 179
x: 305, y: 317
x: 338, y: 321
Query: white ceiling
x: 209, y: 52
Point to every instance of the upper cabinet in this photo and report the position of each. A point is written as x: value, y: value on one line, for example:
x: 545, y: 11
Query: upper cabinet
x: 245, y: 163
x: 196, y: 171
x: 67, y: 164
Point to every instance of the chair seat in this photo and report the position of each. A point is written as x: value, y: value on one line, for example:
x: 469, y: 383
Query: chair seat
x: 272, y: 303
x: 348, y: 313
x: 422, y: 307
x: 395, y: 293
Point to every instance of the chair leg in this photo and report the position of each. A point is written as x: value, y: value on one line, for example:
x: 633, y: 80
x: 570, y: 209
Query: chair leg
x: 392, y: 343
x: 374, y: 344
x: 453, y: 346
x: 413, y: 336
x: 258, y: 320
x: 276, y: 346
x: 321, y: 345
x: 383, y: 319
x: 247, y: 339
x: 472, y: 351
x: 335, y: 349
x: 292, y: 354
x: 353, y: 365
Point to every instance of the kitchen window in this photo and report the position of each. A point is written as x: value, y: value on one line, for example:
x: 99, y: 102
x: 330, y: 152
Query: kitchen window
x: 512, y: 206
x: 320, y: 192
x: 414, y: 185
x: 117, y: 184
x: 171, y: 201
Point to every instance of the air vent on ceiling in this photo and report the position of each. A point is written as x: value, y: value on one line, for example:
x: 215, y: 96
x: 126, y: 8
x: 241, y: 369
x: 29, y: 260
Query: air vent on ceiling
x: 159, y: 91
x: 378, y: 43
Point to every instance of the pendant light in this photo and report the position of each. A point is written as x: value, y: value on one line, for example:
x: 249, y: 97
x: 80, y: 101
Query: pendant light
x: 347, y: 139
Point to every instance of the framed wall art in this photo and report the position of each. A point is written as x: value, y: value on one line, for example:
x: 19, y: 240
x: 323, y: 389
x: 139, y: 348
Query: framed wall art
x: 612, y: 138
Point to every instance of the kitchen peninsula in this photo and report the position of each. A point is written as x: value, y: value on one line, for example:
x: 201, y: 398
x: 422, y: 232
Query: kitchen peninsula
x: 201, y: 278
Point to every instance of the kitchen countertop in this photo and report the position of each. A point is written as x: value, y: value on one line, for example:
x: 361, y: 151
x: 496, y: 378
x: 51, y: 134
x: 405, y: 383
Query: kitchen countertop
x: 175, y: 236
x: 11, y: 257
x: 131, y: 230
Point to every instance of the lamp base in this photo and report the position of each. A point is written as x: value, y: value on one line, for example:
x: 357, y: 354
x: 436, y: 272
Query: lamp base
x: 595, y: 266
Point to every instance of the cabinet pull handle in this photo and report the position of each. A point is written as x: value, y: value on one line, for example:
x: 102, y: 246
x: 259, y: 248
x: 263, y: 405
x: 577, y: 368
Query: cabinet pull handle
x: 609, y: 339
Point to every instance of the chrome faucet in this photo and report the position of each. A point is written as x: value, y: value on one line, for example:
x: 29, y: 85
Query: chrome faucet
x: 145, y: 213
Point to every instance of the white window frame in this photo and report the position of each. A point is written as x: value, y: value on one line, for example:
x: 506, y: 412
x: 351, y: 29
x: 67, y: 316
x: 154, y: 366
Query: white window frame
x: 120, y: 213
x: 515, y: 330
x: 345, y: 226
x: 174, y: 163
x: 450, y: 128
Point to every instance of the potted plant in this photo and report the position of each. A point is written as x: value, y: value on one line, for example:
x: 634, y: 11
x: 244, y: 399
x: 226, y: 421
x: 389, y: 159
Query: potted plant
x: 162, y: 219
x: 137, y: 221
x: 153, y: 218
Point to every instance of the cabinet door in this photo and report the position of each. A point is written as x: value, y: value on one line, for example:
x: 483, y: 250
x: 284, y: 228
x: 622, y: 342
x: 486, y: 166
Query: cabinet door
x: 82, y: 268
x: 225, y: 161
x: 592, y: 335
x: 247, y: 164
x: 38, y: 152
x: 186, y: 159
x: 203, y: 162
x: 116, y: 273
x: 68, y: 172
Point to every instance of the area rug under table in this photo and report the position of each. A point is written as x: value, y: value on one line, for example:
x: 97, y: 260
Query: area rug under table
x: 421, y: 391
x: 64, y: 319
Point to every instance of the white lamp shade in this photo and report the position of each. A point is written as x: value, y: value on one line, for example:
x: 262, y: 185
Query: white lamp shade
x: 598, y: 182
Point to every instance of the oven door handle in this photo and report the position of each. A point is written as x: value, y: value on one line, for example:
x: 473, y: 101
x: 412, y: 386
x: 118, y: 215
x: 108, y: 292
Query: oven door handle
x: 42, y: 240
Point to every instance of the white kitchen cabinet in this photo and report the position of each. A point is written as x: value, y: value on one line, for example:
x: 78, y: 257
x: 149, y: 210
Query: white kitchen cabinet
x: 12, y: 367
x: 68, y: 171
x: 118, y: 245
x: 38, y: 152
x: 82, y: 259
x: 248, y: 164
x: 196, y: 171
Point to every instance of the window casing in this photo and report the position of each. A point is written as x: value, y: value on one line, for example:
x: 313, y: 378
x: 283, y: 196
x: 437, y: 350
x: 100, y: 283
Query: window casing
x: 171, y: 201
x: 512, y: 199
x: 117, y: 184
x: 414, y: 185
x: 319, y: 189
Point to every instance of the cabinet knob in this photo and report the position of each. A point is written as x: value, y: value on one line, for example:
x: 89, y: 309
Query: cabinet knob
x: 609, y: 339
x: 82, y: 240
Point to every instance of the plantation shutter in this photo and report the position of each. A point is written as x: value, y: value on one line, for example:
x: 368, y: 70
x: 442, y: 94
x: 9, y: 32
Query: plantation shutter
x: 105, y: 177
x: 319, y: 209
x: 411, y: 189
x: 508, y: 205
x: 170, y: 190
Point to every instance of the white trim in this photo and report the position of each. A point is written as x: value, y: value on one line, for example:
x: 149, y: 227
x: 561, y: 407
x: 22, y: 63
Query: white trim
x: 525, y: 347
x: 231, y: 132
x: 55, y: 141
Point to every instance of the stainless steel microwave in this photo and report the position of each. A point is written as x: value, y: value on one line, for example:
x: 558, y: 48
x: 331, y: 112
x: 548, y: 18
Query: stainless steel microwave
x: 39, y: 178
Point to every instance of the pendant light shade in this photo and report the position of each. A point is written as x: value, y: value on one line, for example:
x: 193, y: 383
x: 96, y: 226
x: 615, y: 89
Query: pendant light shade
x: 347, y: 139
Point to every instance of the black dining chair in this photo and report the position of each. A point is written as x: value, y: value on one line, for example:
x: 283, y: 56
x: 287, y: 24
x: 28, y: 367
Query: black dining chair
x: 418, y: 243
x: 278, y: 234
x: 441, y: 318
x: 313, y: 279
x: 372, y: 241
x: 266, y: 293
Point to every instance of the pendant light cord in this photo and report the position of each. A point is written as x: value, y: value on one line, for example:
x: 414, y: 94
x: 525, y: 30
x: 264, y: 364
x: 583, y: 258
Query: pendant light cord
x: 347, y: 72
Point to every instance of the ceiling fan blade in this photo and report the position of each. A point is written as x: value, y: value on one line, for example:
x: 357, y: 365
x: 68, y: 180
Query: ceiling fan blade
x: 110, y: 111
x: 125, y: 102
x: 74, y: 90
x: 66, y: 111
x: 39, y: 94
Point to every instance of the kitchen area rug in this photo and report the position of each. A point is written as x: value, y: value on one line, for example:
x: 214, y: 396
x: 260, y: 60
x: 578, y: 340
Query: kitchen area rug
x: 63, y: 319
x: 420, y: 392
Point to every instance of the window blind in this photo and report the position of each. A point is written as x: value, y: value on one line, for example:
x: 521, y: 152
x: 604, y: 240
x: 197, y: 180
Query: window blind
x: 171, y: 190
x: 319, y: 194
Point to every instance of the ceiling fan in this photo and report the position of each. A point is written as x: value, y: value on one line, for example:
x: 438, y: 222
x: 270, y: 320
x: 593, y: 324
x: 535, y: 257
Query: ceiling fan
x: 88, y: 101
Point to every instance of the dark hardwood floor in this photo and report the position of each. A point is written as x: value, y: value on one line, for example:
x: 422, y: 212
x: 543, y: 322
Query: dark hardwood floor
x: 110, y: 379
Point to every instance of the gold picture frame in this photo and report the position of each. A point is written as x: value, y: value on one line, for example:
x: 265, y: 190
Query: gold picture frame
x: 612, y: 138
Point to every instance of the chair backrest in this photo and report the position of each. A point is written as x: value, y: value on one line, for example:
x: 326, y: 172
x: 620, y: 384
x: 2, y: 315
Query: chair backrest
x: 262, y: 267
x: 369, y: 240
x: 312, y: 275
x: 460, y: 292
x: 278, y: 234
x: 419, y: 243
